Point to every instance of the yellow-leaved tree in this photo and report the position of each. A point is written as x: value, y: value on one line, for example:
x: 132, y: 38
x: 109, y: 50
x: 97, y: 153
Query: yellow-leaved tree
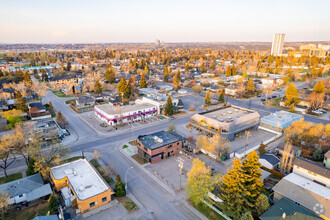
x: 199, y: 181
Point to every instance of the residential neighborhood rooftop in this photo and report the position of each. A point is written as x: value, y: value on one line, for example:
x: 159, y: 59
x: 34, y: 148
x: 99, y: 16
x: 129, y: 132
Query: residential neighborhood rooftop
x: 313, y: 167
x: 292, y: 211
x: 271, y: 158
x: 158, y: 139
x: 83, y: 178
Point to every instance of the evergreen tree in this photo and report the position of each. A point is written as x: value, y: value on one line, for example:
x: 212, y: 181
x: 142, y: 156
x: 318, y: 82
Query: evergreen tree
x: 68, y: 66
x: 51, y: 108
x: 252, y: 180
x: 250, y: 86
x: 207, y: 98
x: 247, y: 216
x: 123, y: 88
x: 262, y: 149
x: 143, y: 82
x: 169, y: 106
x: 262, y: 204
x: 98, y: 87
x: 119, y: 189
x: 20, y: 102
x: 319, y: 87
x: 231, y: 191
x: 27, y: 79
x: 30, y: 168
x: 233, y: 70
x: 44, y: 75
x: 228, y: 71
x: 221, y: 97
x: 291, y: 94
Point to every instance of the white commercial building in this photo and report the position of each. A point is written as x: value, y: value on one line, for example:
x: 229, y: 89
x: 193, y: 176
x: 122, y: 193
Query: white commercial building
x: 114, y: 115
x: 158, y: 101
x: 277, y: 46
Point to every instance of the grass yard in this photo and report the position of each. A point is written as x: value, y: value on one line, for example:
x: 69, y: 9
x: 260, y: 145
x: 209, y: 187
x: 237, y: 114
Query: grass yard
x: 10, y: 178
x: 139, y: 159
x: 71, y: 159
x: 133, y: 143
x: 206, y: 211
x: 29, y: 213
x: 70, y: 101
x: 100, y: 169
x: 60, y: 94
x: 128, y: 204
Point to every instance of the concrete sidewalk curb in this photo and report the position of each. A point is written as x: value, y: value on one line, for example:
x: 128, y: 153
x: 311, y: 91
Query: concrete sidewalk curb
x: 194, y: 211
x: 147, y: 172
x: 139, y: 204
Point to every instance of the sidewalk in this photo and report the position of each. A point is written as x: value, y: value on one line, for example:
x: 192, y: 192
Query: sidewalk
x: 169, y: 190
x: 128, y: 156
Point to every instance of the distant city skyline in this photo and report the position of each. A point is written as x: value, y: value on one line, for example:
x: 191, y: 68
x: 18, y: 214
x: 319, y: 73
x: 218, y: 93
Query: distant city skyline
x: 172, y: 21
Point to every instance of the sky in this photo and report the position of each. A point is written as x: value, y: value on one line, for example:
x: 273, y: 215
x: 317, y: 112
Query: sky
x: 101, y: 21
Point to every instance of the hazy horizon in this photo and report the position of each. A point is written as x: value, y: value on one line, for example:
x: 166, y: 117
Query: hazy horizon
x: 209, y: 21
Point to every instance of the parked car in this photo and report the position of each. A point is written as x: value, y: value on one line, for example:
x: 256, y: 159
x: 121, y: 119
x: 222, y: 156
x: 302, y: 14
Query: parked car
x: 323, y: 111
x: 171, y: 118
x: 263, y: 99
x: 317, y: 112
x: 274, y: 96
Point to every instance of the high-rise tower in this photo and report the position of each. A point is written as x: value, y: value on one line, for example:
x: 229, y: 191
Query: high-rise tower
x: 277, y: 46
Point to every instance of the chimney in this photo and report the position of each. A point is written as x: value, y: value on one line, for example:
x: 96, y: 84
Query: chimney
x: 283, y: 215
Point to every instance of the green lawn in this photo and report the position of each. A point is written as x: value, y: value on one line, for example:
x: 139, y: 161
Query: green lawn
x: 100, y: 169
x: 70, y: 101
x: 128, y: 204
x: 206, y: 211
x: 10, y: 178
x: 60, y: 94
x: 71, y: 159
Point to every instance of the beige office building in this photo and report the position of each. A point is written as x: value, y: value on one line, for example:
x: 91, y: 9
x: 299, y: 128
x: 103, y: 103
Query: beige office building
x: 277, y: 46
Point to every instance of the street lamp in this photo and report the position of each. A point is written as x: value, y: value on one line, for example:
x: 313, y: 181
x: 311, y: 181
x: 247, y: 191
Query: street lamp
x: 126, y: 178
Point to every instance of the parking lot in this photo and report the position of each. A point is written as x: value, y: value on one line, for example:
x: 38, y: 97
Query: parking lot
x: 168, y: 171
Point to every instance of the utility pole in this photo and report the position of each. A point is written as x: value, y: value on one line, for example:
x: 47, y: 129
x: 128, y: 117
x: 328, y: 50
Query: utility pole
x: 247, y: 138
x: 180, y: 160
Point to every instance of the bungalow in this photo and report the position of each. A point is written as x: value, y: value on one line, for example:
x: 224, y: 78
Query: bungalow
x: 37, y: 111
x: 326, y: 160
x: 26, y: 190
x: 85, y: 101
x: 269, y: 161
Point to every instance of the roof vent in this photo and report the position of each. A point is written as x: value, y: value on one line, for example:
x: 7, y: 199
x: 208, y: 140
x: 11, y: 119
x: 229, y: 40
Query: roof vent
x: 81, y: 188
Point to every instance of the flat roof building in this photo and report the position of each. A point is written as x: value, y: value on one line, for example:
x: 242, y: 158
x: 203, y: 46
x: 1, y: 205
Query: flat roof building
x: 160, y: 102
x: 278, y: 121
x: 226, y: 121
x: 114, y: 115
x: 160, y: 145
x: 87, y: 186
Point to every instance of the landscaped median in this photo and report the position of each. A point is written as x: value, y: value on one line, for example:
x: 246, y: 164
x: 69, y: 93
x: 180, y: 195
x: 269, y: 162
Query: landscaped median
x: 60, y: 94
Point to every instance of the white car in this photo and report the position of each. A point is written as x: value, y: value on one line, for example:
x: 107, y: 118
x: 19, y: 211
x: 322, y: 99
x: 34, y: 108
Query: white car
x: 182, y: 91
x: 317, y: 112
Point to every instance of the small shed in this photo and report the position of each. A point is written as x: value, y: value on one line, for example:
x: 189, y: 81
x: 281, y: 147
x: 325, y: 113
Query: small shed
x: 269, y: 161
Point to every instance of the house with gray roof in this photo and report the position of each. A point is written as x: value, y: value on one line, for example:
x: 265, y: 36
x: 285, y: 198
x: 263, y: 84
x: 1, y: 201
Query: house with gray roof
x: 27, y: 189
x: 269, y: 161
